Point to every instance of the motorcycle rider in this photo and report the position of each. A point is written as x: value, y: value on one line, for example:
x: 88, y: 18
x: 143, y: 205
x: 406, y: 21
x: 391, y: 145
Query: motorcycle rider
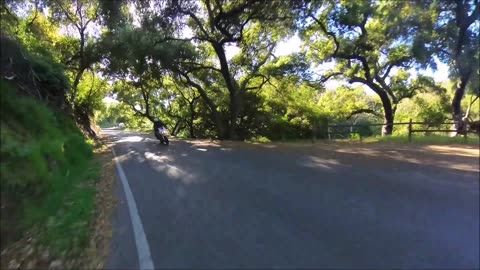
x: 157, y: 123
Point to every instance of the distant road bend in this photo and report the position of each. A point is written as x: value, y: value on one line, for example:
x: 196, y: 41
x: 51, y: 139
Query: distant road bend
x: 199, y: 204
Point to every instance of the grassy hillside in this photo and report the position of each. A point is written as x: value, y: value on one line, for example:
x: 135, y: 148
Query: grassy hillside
x: 47, y: 174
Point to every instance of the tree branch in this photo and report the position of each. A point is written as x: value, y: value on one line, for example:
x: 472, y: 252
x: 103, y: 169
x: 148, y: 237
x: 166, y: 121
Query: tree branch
x: 200, y: 89
x: 198, y: 66
x: 265, y: 79
x: 387, y: 88
x: 257, y: 68
x: 391, y: 64
x: 179, y: 39
x: 324, y: 79
x: 134, y: 109
x: 36, y: 14
x: 197, y: 21
x: 370, y: 111
x: 67, y: 14
x: 377, y: 89
x: 329, y: 33
x: 344, y: 55
x: 91, y: 86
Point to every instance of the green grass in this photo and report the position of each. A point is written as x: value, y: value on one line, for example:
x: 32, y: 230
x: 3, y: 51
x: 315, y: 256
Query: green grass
x: 472, y: 139
x: 66, y: 209
x: 47, y: 172
x: 258, y: 139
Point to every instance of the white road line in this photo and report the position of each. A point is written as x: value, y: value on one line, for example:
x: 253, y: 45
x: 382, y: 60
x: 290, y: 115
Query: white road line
x: 143, y: 249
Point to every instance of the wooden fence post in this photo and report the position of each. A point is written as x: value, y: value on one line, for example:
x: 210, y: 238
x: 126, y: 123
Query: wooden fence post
x: 410, y: 130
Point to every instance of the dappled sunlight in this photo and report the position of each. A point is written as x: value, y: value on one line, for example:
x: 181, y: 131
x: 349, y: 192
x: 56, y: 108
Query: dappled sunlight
x: 152, y: 156
x: 401, y: 157
x: 173, y: 172
x: 139, y: 157
x: 226, y: 149
x: 459, y: 166
x: 202, y: 149
x: 269, y: 146
x: 457, y: 151
x: 362, y: 151
x: 203, y: 143
x: 125, y: 156
x: 131, y: 155
x: 450, y: 164
x: 316, y: 162
x: 131, y: 139
x: 458, y: 158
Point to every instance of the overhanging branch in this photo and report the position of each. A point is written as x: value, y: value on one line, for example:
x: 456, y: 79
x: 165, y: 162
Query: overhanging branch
x: 359, y: 111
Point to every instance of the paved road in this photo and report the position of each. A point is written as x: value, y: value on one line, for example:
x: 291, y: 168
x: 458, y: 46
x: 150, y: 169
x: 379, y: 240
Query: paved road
x: 224, y: 206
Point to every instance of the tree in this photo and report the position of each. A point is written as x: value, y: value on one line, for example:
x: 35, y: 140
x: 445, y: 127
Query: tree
x: 140, y: 68
x: 458, y: 45
x: 217, y: 24
x: 77, y: 16
x: 369, y: 44
x: 344, y: 103
x: 189, y: 99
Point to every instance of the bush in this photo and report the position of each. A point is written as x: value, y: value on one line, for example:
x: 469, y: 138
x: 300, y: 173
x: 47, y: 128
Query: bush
x: 281, y: 128
x: 259, y: 139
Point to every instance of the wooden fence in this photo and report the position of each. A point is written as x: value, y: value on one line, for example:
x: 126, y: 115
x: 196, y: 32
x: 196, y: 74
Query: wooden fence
x: 410, y: 124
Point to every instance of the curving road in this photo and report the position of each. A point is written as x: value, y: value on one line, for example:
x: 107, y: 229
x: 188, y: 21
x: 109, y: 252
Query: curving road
x: 234, y: 205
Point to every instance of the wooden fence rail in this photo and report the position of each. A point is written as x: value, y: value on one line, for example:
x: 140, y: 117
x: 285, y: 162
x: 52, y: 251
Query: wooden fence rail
x: 410, y: 128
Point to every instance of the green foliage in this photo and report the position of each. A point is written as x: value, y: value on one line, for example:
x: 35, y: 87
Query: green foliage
x: 426, y: 107
x: 191, y: 83
x: 45, y: 161
x: 338, y: 105
x: 38, y: 73
x: 259, y: 139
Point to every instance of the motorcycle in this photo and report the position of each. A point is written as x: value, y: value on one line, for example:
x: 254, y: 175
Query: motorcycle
x: 161, y: 134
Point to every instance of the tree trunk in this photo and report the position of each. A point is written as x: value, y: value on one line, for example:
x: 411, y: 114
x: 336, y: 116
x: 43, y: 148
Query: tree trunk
x: 233, y: 117
x: 81, y: 67
x: 180, y: 128
x: 457, y: 103
x: 174, y: 131
x: 217, y: 119
x: 388, y: 114
x: 192, y: 118
x: 215, y: 115
x: 388, y: 111
x: 232, y: 87
x: 190, y: 127
x: 151, y: 118
x: 191, y: 130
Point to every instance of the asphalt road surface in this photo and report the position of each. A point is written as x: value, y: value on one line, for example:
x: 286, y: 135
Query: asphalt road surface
x: 233, y: 205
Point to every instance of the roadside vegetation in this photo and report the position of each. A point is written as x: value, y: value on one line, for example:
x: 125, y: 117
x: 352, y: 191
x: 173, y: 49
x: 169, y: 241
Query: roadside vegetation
x: 258, y: 71
x: 55, y: 189
x: 50, y: 168
x: 352, y: 63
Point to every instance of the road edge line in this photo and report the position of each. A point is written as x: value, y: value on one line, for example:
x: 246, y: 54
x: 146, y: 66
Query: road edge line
x: 143, y: 249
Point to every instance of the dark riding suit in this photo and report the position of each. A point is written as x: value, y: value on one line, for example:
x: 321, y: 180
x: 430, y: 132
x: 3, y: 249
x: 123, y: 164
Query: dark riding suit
x: 156, y: 125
